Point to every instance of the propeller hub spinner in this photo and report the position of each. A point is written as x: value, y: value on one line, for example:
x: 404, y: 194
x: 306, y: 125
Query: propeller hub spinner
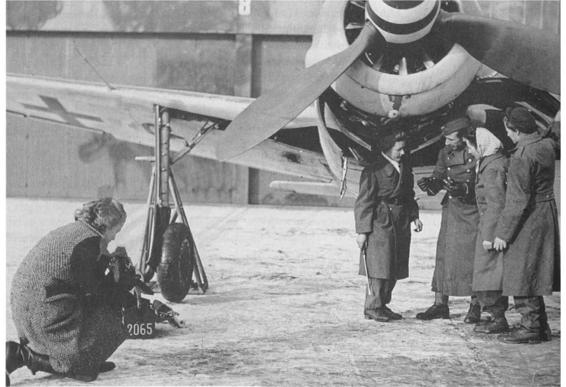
x: 402, y: 21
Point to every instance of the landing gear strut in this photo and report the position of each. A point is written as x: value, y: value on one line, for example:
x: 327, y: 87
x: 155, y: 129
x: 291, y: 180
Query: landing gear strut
x: 169, y: 248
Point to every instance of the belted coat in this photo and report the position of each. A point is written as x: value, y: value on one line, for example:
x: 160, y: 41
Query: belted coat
x: 384, y: 210
x: 454, y: 266
x: 491, y: 180
x: 56, y: 301
x: 529, y: 221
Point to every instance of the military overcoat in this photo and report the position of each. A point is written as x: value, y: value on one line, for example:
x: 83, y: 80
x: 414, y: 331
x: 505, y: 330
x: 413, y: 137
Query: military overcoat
x: 384, y: 209
x: 456, y: 244
x: 529, y: 221
x: 490, y: 197
x: 56, y: 305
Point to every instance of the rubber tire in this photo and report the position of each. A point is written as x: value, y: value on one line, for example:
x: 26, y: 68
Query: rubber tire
x: 175, y: 271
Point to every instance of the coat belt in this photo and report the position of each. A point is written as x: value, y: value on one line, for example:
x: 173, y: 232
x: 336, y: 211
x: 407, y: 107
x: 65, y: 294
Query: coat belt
x: 395, y: 201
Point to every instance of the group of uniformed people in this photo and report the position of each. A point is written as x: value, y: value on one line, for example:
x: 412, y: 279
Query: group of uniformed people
x: 499, y: 229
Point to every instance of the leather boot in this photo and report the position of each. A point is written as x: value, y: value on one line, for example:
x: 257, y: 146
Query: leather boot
x: 391, y: 314
x: 376, y: 314
x: 435, y: 311
x: 106, y: 366
x: 498, y: 325
x: 525, y: 336
x: 37, y: 362
x: 19, y: 355
x: 14, y: 359
x: 474, y: 314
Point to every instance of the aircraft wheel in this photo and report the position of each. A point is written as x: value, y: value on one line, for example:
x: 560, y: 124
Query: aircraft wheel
x: 175, y: 270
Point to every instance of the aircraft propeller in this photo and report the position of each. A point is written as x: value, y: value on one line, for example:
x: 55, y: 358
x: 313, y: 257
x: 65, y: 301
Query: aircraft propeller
x: 273, y: 110
x: 525, y: 54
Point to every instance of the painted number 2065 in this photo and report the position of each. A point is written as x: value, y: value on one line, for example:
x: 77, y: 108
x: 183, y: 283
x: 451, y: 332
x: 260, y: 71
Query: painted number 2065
x: 140, y: 329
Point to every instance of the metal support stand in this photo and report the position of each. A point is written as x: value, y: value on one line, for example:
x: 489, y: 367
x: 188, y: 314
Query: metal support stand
x: 161, y: 212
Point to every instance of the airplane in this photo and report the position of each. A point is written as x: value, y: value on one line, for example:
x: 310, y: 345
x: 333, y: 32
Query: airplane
x: 374, y: 67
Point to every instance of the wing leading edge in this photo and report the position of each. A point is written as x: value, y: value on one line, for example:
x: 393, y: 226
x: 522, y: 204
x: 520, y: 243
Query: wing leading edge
x: 127, y: 114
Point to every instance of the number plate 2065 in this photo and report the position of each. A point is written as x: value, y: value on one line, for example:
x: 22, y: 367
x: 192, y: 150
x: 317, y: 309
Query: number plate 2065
x: 140, y: 323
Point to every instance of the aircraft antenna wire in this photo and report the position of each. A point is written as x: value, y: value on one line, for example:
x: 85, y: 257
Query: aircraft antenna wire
x: 92, y: 67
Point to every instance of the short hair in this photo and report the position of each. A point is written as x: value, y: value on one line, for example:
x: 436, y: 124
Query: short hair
x: 101, y: 214
x: 387, y: 142
x: 521, y: 119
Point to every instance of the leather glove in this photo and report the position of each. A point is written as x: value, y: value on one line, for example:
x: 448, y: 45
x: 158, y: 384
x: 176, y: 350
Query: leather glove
x: 430, y: 185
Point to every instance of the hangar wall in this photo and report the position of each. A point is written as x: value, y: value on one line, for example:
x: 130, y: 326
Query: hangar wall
x: 238, y: 47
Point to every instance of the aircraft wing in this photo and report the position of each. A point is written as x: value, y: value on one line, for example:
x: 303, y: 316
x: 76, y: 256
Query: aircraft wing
x: 127, y: 114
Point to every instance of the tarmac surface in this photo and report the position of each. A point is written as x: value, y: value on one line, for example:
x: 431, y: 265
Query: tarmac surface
x: 284, y: 308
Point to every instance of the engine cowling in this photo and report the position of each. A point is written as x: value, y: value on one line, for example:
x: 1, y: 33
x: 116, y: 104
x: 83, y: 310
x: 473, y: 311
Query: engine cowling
x: 410, y: 77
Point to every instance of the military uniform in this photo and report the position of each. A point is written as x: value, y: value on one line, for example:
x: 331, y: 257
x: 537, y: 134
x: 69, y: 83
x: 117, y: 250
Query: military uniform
x: 529, y: 223
x: 384, y: 209
x: 457, y: 237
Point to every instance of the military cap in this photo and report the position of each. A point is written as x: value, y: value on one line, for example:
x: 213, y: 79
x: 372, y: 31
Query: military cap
x: 520, y: 119
x: 456, y: 125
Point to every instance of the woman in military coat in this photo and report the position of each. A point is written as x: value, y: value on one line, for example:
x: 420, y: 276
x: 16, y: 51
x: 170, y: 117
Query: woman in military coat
x: 490, y: 197
x: 383, y: 211
x: 527, y: 230
x: 64, y: 307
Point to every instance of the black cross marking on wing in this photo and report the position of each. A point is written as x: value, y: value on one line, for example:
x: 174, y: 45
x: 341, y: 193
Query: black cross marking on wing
x: 54, y: 106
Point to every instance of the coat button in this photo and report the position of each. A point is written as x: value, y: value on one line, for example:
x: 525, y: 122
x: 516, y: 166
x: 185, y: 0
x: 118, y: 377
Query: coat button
x: 448, y: 168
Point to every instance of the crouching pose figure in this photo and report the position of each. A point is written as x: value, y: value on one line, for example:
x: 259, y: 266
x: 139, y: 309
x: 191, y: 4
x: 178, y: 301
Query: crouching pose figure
x: 384, y: 210
x: 66, y: 309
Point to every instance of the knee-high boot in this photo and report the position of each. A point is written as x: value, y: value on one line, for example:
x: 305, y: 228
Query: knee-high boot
x: 19, y: 355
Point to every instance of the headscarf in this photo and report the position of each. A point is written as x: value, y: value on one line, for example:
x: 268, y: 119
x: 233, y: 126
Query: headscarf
x: 487, y: 143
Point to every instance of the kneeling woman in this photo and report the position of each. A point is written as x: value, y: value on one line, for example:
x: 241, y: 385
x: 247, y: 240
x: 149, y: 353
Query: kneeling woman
x: 66, y: 310
x: 384, y: 209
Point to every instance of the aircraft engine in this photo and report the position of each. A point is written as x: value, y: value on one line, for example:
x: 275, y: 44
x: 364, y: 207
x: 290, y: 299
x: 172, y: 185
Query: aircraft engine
x: 385, y: 65
x: 417, y: 72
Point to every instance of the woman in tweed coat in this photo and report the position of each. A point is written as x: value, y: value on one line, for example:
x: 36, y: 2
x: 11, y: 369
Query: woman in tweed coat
x: 65, y: 309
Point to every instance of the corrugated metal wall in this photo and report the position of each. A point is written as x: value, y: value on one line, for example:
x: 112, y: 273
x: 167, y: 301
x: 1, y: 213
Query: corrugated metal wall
x: 209, y: 46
